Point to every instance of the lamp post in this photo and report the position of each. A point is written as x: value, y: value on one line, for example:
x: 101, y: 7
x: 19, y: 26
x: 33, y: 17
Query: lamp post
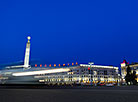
x: 91, y: 63
x: 118, y: 80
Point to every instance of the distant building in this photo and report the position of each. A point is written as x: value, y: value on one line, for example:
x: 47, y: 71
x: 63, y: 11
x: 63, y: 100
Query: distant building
x: 124, y: 65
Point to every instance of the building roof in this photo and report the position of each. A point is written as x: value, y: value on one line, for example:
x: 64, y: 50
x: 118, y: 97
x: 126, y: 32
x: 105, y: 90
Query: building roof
x: 98, y: 66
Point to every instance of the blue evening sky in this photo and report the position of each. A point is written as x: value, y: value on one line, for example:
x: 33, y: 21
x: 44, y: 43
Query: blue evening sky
x: 102, y: 31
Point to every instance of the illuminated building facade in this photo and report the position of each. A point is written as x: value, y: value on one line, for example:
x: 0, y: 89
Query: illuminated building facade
x: 61, y: 74
x: 83, y: 74
x: 124, y: 66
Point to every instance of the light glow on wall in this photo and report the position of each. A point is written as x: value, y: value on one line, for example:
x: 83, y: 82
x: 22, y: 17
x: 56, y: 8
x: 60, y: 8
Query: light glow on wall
x: 40, y: 72
x: 123, y: 64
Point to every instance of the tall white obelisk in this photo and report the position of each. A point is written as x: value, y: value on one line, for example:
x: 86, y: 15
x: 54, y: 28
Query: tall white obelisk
x: 27, y: 53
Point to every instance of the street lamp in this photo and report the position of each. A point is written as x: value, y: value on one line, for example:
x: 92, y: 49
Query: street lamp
x: 118, y: 79
x: 91, y: 63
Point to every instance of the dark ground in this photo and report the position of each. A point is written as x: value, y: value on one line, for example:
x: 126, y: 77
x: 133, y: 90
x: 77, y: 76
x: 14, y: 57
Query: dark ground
x: 70, y: 94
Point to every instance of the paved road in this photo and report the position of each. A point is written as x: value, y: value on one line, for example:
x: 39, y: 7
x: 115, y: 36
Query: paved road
x: 96, y: 94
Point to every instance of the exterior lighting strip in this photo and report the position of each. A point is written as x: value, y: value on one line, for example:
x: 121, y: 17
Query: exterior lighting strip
x: 40, y: 72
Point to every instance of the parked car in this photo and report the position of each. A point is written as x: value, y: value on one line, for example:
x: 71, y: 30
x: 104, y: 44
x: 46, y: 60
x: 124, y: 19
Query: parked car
x: 123, y: 84
x: 101, y: 84
x: 109, y: 84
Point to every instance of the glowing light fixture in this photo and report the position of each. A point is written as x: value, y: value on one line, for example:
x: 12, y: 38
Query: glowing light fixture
x: 40, y: 72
